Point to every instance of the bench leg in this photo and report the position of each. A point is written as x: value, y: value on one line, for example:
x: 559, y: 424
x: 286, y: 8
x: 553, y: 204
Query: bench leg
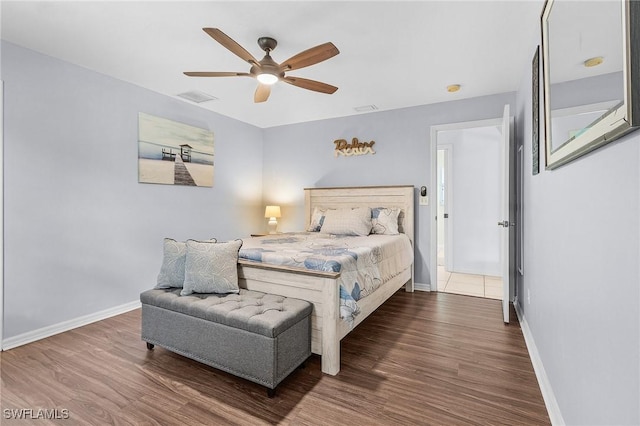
x: 271, y: 392
x: 150, y: 346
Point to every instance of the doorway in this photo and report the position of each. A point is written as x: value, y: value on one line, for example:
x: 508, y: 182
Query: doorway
x: 468, y: 205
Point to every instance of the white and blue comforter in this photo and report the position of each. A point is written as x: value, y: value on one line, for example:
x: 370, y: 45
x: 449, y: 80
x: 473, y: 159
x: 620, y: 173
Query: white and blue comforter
x: 363, y: 262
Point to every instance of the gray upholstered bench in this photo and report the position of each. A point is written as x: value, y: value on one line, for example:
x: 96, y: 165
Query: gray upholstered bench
x: 260, y: 337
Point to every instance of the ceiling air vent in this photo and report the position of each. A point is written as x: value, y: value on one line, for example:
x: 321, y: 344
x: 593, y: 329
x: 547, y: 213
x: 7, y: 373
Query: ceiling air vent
x: 366, y: 108
x: 197, y: 97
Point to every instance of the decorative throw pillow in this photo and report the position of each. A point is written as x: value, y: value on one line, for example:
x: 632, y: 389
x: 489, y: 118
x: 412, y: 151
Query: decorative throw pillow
x: 211, y: 267
x: 356, y: 221
x: 172, y: 269
x: 317, y: 218
x: 384, y: 221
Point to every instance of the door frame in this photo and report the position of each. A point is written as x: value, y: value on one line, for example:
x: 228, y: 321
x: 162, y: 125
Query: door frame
x: 448, y: 226
x: 433, y: 179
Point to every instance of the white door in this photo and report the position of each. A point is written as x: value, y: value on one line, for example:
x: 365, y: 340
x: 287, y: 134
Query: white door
x: 504, y: 221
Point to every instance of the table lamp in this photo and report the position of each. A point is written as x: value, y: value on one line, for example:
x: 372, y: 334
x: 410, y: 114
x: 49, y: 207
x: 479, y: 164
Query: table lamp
x: 272, y: 212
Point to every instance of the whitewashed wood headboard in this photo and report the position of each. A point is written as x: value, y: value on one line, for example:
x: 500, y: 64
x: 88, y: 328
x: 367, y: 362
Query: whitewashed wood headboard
x: 401, y: 196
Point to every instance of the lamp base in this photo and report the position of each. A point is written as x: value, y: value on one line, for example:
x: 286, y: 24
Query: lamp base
x: 272, y: 225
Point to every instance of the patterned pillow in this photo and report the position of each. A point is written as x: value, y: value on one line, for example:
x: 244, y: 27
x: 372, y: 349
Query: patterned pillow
x: 317, y: 218
x: 172, y: 269
x: 211, y: 267
x: 355, y: 221
x: 385, y: 221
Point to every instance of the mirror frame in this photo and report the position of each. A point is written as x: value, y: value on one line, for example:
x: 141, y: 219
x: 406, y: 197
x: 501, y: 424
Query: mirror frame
x: 618, y: 121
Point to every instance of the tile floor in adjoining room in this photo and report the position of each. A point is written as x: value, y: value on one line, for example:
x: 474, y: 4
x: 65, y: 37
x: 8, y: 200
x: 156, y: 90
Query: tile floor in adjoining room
x: 469, y: 284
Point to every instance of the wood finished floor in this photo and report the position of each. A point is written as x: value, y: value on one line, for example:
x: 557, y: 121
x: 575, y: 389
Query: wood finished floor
x: 421, y: 358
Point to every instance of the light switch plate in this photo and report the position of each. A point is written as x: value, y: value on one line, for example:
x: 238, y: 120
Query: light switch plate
x: 424, y: 201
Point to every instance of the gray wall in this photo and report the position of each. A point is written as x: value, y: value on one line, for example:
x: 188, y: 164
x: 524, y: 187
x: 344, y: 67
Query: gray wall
x: 81, y: 235
x: 301, y: 155
x: 582, y: 274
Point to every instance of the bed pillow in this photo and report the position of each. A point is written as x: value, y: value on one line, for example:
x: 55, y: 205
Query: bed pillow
x: 211, y: 267
x: 384, y: 221
x: 317, y: 218
x: 356, y: 221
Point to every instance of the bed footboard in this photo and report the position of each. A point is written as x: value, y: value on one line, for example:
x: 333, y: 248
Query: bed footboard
x: 322, y: 290
x: 319, y: 288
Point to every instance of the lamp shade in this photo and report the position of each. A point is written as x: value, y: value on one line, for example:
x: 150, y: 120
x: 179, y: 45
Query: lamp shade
x: 272, y: 211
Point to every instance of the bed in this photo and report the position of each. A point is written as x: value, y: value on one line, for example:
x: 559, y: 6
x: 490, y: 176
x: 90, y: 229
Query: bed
x: 322, y: 288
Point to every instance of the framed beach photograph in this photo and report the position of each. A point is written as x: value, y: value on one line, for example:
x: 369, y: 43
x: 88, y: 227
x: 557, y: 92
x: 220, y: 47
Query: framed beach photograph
x: 173, y: 153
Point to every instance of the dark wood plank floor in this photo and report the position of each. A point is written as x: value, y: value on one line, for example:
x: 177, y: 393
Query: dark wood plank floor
x: 422, y: 358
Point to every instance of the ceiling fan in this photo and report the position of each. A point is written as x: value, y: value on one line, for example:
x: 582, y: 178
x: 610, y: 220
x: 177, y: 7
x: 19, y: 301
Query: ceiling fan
x: 267, y: 71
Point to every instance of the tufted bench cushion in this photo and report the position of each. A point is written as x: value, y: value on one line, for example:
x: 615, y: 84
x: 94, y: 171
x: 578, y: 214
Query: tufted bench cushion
x: 258, y: 336
x: 256, y: 312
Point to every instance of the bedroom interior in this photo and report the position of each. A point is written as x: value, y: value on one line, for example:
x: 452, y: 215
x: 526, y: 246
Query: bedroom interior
x: 82, y: 238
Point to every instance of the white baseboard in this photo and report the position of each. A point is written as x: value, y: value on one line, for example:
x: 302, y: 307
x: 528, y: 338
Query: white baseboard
x: 421, y: 287
x: 553, y: 409
x: 32, y: 336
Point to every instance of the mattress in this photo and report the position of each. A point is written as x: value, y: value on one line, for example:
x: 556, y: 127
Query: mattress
x: 364, y: 263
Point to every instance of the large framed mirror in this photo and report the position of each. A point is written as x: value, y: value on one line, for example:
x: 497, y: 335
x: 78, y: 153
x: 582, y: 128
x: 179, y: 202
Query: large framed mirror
x: 591, y: 73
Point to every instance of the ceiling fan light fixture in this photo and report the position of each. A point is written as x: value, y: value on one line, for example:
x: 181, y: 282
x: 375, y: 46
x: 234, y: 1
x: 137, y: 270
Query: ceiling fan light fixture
x: 266, y: 78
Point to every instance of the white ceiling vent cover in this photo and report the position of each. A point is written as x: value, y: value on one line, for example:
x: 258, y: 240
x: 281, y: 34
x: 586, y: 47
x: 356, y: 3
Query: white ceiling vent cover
x: 197, y: 97
x: 365, y: 108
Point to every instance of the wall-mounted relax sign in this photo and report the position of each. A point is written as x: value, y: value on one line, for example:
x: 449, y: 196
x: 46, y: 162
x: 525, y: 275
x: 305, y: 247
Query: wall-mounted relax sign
x: 354, y: 148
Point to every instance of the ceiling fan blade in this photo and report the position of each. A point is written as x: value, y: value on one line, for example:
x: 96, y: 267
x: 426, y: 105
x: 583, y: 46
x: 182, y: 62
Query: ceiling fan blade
x: 316, y: 86
x: 216, y: 74
x: 262, y: 93
x: 310, y: 57
x: 230, y: 44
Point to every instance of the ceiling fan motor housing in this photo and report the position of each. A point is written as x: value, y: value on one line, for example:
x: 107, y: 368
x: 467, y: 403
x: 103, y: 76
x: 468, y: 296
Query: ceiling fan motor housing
x: 267, y: 43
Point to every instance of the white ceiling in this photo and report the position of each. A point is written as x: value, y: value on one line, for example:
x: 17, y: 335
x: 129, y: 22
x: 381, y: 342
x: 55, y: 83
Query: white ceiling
x: 392, y: 54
